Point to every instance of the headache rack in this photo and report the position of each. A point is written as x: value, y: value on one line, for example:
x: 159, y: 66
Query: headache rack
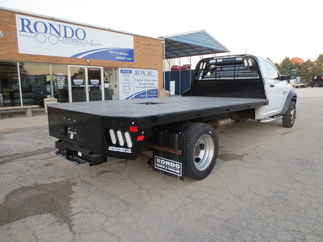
x: 227, y: 68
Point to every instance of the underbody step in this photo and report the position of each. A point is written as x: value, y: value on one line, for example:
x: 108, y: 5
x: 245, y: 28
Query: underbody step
x: 269, y: 120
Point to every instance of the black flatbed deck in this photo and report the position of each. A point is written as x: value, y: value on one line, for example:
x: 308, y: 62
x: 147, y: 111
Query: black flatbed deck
x: 163, y: 108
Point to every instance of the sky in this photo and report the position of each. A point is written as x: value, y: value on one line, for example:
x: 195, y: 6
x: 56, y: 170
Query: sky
x: 268, y: 28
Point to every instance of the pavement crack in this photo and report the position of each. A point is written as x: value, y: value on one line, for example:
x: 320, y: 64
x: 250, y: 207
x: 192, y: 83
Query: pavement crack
x: 13, y: 157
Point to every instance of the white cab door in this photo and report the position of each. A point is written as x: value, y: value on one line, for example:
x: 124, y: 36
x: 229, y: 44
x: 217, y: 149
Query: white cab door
x: 276, y: 94
x: 276, y: 90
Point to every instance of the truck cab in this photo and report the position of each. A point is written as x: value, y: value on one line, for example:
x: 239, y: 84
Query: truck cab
x: 277, y: 88
x: 244, y: 76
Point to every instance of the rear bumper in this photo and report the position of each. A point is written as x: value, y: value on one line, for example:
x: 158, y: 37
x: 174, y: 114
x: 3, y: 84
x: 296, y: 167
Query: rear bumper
x: 77, y: 154
x: 80, y: 155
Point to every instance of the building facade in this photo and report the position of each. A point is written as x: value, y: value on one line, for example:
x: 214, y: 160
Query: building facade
x: 42, y: 56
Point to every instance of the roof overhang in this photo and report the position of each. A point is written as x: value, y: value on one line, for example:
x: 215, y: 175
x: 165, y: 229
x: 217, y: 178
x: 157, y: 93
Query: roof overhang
x: 192, y: 44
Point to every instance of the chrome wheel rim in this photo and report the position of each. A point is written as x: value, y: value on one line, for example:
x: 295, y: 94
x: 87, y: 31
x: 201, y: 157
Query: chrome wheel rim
x: 203, y: 152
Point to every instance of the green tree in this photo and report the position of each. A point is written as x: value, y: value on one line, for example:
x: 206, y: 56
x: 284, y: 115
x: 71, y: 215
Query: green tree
x: 306, y: 70
x: 286, y: 66
x: 318, y: 66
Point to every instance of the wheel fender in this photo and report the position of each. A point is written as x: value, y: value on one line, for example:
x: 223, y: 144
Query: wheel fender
x: 291, y: 97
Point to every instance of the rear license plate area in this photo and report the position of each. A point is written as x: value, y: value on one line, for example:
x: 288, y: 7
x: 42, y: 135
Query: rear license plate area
x: 120, y: 149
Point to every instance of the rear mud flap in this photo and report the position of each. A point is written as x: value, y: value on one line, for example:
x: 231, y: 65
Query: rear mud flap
x: 168, y: 165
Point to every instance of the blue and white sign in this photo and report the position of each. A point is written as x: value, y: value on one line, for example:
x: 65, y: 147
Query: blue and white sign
x: 39, y: 36
x: 137, y: 83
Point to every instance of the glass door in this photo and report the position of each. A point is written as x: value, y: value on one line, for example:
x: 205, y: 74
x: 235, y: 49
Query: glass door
x: 85, y: 83
x: 77, y: 82
x: 94, y: 83
x: 111, y: 83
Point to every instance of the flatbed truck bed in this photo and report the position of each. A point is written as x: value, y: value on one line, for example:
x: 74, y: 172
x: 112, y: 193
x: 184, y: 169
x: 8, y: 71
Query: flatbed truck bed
x: 164, y: 110
x: 179, y: 130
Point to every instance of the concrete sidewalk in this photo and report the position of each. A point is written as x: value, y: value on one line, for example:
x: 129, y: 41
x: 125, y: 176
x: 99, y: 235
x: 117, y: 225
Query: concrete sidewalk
x: 23, y: 122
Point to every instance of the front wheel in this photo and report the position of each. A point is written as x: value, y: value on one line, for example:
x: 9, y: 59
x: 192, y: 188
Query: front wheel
x: 290, y: 116
x: 201, y: 145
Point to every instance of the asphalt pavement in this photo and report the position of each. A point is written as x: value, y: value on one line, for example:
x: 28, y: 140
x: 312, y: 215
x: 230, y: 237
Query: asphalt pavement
x: 267, y: 186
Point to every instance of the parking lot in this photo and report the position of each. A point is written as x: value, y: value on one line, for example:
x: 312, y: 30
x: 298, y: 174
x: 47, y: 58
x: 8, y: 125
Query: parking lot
x: 267, y: 186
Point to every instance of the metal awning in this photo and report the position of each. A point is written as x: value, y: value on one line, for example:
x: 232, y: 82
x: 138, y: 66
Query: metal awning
x: 192, y: 44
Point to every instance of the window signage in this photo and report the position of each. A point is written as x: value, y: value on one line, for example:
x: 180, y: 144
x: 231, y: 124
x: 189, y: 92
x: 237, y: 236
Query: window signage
x: 95, y: 82
x: 137, y: 83
x: 78, y: 82
x: 39, y: 36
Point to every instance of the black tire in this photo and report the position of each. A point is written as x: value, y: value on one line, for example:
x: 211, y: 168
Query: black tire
x: 194, y: 135
x: 290, y: 116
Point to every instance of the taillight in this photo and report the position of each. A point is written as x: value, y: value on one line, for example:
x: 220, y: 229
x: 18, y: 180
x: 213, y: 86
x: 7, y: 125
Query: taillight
x: 120, y: 138
x: 128, y: 139
x: 140, y: 138
x: 123, y: 138
x: 133, y: 129
x: 113, y: 136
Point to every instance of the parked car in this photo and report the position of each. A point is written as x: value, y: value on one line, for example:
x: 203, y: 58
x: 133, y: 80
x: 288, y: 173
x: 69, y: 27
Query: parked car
x: 297, y: 83
x: 317, y: 81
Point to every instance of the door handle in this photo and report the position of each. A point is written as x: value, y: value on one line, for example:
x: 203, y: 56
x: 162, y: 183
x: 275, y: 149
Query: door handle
x: 272, y: 85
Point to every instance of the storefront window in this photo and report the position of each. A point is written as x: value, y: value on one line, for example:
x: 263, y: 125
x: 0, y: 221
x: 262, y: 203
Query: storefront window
x: 9, y: 84
x: 59, y: 82
x: 35, y: 83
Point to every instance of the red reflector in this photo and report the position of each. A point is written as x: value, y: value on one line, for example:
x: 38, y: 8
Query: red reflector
x: 140, y: 138
x: 133, y: 129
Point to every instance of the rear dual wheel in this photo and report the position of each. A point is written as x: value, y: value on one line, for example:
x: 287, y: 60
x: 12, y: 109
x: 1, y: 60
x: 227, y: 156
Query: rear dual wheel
x: 201, y: 145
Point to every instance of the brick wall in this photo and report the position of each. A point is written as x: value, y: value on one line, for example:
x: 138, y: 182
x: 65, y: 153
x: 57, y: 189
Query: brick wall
x: 148, y: 51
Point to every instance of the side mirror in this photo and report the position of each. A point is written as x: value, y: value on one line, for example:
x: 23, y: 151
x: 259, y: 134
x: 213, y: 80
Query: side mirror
x: 284, y: 78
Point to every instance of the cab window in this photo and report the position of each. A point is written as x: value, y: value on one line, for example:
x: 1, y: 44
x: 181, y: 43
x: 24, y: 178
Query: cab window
x: 269, y: 70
